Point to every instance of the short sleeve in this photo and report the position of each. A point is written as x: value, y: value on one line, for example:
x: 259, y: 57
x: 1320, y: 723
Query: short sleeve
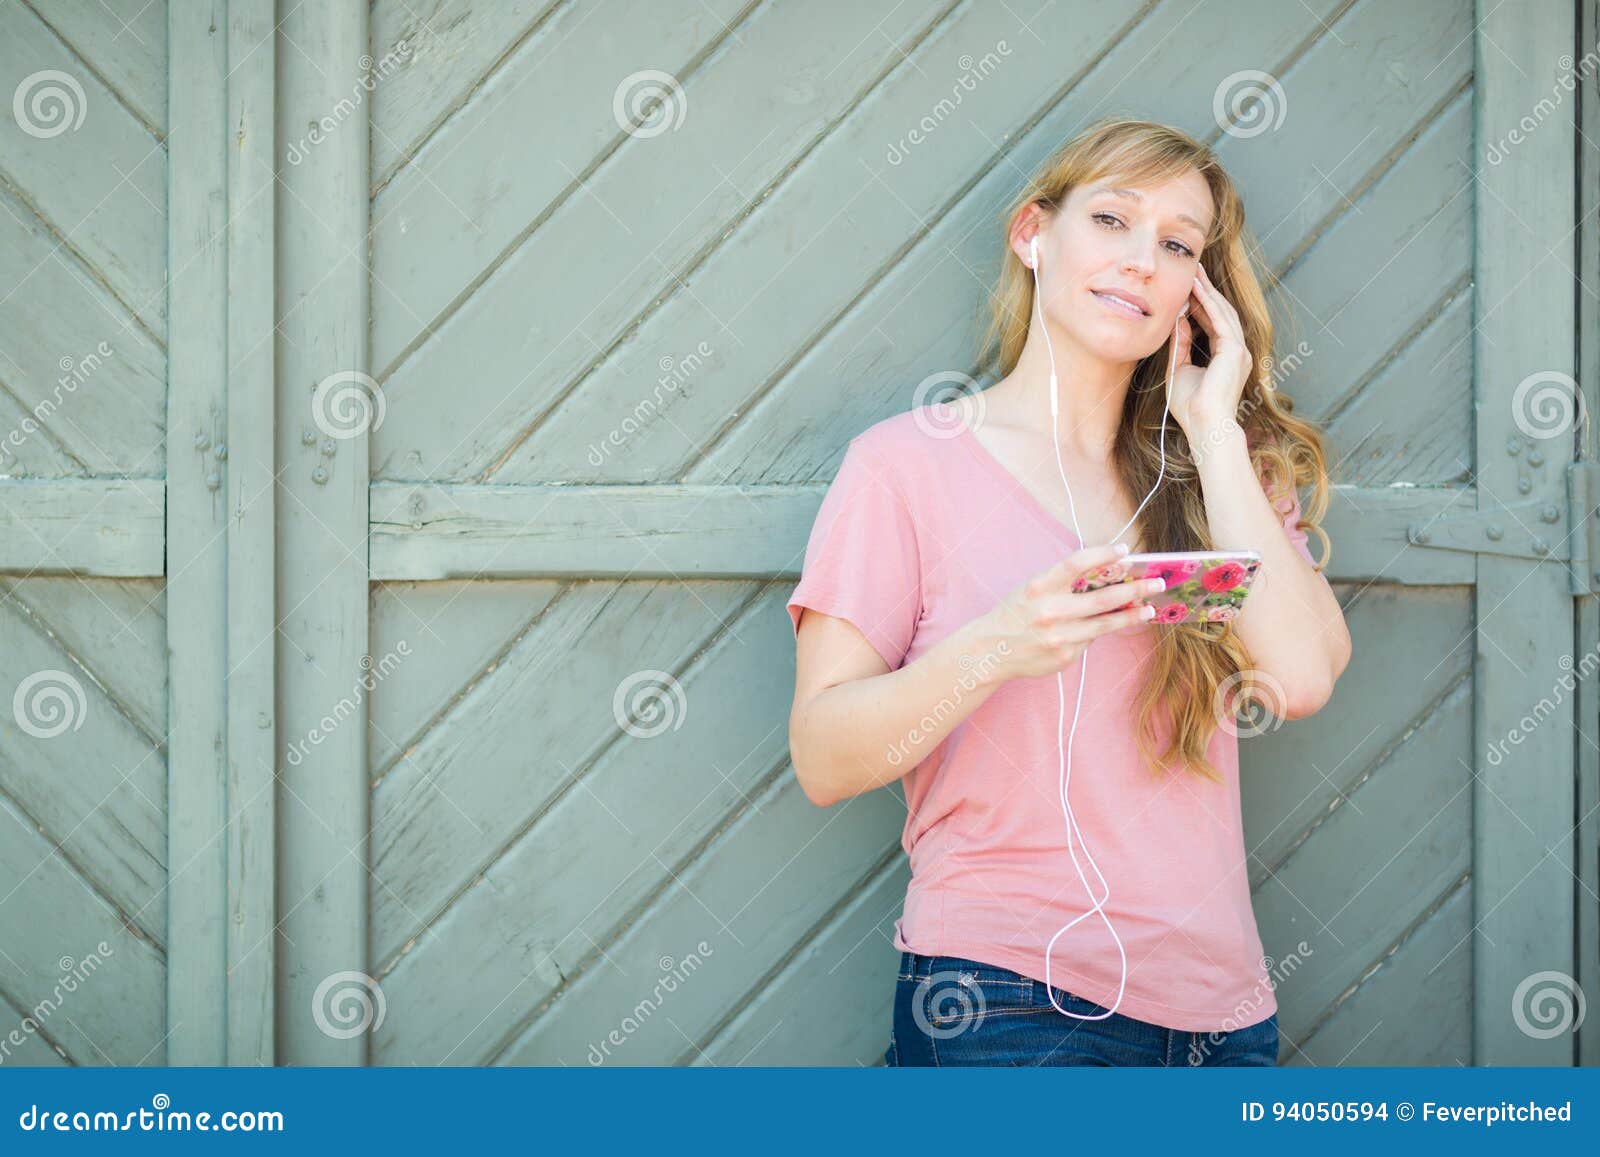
x: 862, y: 562
x: 1297, y: 537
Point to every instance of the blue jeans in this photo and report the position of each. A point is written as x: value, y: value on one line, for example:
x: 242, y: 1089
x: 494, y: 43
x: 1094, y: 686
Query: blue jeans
x: 953, y: 1011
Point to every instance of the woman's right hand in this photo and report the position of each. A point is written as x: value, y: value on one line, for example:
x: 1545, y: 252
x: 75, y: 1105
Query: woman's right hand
x: 1042, y: 625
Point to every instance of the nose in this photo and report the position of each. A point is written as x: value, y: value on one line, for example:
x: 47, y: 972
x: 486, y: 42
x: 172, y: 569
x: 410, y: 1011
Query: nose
x: 1138, y: 262
x: 1139, y: 258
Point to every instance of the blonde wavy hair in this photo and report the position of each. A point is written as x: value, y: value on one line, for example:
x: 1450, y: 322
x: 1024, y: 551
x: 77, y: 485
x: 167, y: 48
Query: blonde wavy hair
x: 1201, y: 670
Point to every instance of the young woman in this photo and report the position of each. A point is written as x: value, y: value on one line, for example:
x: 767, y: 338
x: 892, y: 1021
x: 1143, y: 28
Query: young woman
x: 938, y: 640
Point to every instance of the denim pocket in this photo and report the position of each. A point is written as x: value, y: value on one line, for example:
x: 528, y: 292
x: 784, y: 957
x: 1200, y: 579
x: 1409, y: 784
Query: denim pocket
x: 952, y: 994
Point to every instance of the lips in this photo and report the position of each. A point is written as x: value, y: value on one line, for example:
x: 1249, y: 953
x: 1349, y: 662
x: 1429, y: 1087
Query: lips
x: 1124, y: 303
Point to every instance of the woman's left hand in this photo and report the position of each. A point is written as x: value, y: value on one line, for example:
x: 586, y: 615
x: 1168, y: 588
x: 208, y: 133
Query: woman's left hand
x: 1205, y: 401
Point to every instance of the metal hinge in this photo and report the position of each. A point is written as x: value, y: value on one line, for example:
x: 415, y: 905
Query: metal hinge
x: 1533, y: 530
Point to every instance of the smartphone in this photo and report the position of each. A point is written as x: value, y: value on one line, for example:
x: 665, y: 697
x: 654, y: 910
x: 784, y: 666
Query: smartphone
x: 1202, y: 585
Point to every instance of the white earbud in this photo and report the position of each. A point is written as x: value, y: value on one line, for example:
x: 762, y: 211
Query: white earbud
x: 1033, y: 252
x: 1064, y: 766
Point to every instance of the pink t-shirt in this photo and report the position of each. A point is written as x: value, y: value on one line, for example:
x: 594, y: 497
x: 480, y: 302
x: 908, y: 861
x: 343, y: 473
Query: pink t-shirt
x: 922, y: 530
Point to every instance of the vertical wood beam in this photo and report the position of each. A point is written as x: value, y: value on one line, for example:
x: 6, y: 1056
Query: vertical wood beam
x: 323, y: 483
x: 1588, y: 731
x: 219, y: 534
x: 1524, y: 324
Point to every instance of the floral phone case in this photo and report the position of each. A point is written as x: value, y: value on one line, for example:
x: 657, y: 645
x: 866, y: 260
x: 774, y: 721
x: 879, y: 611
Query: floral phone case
x: 1202, y: 585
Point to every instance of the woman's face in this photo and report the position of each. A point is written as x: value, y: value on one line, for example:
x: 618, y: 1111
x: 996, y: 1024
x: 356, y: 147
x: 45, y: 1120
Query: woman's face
x: 1111, y: 239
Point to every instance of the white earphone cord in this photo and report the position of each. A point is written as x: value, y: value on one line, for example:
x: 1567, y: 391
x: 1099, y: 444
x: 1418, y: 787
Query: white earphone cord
x: 1064, y: 774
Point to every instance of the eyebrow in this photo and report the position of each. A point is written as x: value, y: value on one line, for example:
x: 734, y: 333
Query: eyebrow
x: 1135, y: 195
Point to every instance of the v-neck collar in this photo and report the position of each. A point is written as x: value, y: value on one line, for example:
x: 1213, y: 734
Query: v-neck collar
x: 1012, y: 483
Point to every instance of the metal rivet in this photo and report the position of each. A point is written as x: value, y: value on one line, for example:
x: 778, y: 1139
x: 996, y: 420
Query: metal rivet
x: 213, y: 481
x: 1536, y: 457
x: 319, y: 476
x: 222, y: 452
x: 1495, y: 532
x: 1420, y: 536
x: 262, y: 721
x: 1550, y: 514
x: 1540, y: 546
x: 329, y: 446
x: 308, y: 438
x: 201, y: 441
x: 1524, y: 484
x: 1513, y: 445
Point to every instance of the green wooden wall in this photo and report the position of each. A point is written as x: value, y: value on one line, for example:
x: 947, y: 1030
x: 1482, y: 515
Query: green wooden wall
x: 412, y: 418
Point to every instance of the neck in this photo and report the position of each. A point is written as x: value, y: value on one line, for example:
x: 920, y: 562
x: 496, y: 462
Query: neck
x: 1091, y: 392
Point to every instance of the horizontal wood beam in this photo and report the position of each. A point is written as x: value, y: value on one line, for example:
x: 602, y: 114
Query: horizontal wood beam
x: 107, y: 527
x: 424, y: 531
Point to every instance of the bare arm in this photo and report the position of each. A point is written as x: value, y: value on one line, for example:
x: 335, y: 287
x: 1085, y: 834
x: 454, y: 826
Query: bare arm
x: 856, y: 724
x: 1292, y: 625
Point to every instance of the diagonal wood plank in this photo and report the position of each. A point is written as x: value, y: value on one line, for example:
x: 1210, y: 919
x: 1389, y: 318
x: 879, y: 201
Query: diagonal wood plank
x: 117, y: 1014
x: 124, y: 42
x: 72, y: 361
x: 525, y: 331
x: 100, y: 186
x: 1293, y: 775
x: 1379, y: 860
x: 442, y: 53
x: 466, y: 202
x: 799, y: 281
x: 430, y: 643
x: 1413, y: 1007
x: 512, y: 745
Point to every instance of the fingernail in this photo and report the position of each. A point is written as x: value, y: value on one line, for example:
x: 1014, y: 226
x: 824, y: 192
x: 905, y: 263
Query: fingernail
x: 1122, y: 548
x: 1147, y: 612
